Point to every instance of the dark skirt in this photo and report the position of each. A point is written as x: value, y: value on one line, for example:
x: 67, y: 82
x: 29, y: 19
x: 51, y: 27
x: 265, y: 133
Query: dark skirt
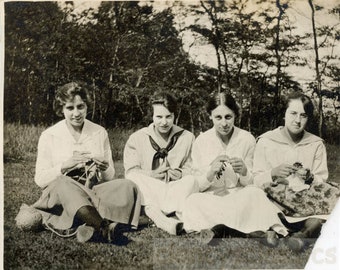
x: 117, y: 200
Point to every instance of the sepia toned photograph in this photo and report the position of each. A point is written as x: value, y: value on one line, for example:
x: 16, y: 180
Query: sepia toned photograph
x: 170, y: 134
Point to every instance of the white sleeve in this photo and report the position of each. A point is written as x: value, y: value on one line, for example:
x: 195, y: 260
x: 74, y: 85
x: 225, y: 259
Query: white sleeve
x: 248, y: 178
x: 132, y: 161
x: 320, y: 170
x: 199, y: 170
x: 262, y: 169
x: 110, y: 171
x: 45, y: 172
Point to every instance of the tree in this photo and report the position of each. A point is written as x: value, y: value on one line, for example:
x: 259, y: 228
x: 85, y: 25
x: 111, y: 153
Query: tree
x: 30, y: 37
x: 330, y: 36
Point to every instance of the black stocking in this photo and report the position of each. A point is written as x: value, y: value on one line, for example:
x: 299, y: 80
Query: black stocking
x: 90, y: 216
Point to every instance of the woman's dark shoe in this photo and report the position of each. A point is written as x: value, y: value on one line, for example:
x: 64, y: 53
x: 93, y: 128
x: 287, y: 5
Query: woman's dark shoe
x: 109, y: 231
x: 211, y: 236
x: 268, y: 238
x: 300, y: 240
x: 144, y: 221
x: 296, y: 242
x: 312, y: 227
x: 180, y: 228
x: 272, y: 239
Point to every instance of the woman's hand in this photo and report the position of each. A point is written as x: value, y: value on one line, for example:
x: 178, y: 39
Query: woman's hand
x: 160, y: 173
x: 283, y: 171
x: 77, y: 161
x: 216, y: 166
x: 101, y: 163
x: 174, y: 174
x: 238, y: 165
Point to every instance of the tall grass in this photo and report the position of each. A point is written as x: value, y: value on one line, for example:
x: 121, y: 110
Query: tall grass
x: 118, y: 138
x: 21, y: 141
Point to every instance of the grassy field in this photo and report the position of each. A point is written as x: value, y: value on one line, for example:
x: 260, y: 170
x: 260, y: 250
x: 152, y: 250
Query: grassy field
x: 150, y: 248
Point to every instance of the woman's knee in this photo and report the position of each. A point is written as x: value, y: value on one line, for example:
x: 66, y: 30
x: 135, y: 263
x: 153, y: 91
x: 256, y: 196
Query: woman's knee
x: 63, y: 183
x: 254, y: 192
x: 194, y: 199
x: 126, y: 184
x: 190, y: 182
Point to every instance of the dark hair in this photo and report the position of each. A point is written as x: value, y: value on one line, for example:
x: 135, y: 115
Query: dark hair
x: 165, y: 99
x: 222, y: 98
x: 306, y: 102
x: 67, y: 92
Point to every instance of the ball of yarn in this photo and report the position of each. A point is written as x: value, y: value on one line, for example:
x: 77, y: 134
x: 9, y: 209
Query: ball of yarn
x: 28, y: 218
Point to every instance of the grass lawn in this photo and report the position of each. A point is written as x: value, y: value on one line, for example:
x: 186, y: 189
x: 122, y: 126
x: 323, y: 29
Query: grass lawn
x: 150, y: 247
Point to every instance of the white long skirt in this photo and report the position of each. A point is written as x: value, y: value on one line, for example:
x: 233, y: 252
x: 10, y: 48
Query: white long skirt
x: 168, y: 197
x: 246, y: 210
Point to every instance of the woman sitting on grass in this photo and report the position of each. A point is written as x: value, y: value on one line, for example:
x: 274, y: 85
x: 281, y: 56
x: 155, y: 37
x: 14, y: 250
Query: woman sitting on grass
x: 157, y: 159
x: 70, y: 148
x: 222, y: 162
x: 290, y: 164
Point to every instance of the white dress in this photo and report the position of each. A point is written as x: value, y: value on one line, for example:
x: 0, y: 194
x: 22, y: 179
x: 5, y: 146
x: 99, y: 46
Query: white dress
x: 138, y: 157
x: 226, y: 200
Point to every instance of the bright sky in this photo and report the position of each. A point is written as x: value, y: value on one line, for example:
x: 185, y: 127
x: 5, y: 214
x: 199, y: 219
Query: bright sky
x: 299, y: 14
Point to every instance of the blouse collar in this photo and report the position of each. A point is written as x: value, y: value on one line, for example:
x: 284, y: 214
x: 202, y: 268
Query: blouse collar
x: 277, y: 136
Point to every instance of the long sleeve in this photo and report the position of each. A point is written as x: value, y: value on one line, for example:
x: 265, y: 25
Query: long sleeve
x: 110, y: 171
x: 261, y: 168
x: 45, y: 171
x: 248, y: 161
x: 132, y: 161
x: 186, y: 166
x: 320, y: 169
x: 199, y: 170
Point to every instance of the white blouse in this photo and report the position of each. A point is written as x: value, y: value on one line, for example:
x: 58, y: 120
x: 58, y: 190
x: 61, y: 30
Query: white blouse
x: 209, y: 146
x: 56, y: 145
x: 273, y: 149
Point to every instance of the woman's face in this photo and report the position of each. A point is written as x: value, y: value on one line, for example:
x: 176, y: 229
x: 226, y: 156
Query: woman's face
x: 162, y: 118
x: 223, y: 119
x: 75, y: 111
x: 295, y: 117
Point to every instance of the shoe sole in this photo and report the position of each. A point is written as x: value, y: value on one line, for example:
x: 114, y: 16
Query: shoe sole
x: 84, y: 233
x: 295, y: 244
x: 206, y: 236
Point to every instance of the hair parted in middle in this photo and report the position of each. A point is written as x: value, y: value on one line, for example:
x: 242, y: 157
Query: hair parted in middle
x: 222, y: 98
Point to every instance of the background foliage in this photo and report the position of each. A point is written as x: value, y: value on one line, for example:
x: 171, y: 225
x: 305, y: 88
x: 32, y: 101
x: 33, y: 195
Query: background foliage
x: 127, y: 50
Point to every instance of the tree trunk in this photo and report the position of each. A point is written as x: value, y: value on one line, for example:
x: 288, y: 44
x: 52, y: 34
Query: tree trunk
x: 278, y: 67
x: 317, y: 71
x: 110, y: 94
x: 94, y: 100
